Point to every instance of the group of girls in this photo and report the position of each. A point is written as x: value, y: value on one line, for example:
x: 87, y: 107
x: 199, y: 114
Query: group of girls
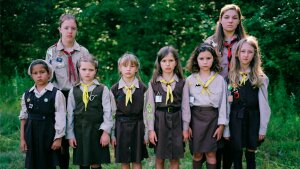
x: 221, y: 108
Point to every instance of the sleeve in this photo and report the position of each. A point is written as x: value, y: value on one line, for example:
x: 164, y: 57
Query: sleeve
x: 70, y: 116
x: 185, y: 107
x: 264, y: 107
x: 23, y: 112
x: 222, y: 119
x: 150, y: 108
x: 60, y: 115
x: 49, y: 55
x: 113, y: 110
x: 107, y: 116
x: 146, y: 136
x: 226, y: 132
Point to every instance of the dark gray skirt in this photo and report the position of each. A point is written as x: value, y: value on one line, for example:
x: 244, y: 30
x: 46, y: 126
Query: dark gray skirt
x: 168, y: 128
x: 130, y: 141
x: 204, y: 123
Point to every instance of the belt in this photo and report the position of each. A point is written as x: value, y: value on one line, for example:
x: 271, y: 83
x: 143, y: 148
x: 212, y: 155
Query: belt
x: 40, y: 116
x: 169, y: 109
x: 128, y: 118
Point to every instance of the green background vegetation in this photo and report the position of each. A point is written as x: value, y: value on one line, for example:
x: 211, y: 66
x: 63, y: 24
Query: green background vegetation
x: 109, y: 28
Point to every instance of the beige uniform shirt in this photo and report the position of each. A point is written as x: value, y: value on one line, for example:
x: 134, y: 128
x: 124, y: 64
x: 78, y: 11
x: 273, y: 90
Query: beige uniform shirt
x: 60, y: 109
x: 107, y: 116
x: 216, y: 97
x: 149, y: 111
x: 59, y: 61
x: 223, y: 55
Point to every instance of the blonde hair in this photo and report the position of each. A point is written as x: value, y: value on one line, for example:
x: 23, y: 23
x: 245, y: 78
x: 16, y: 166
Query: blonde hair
x: 129, y: 58
x: 90, y: 59
x: 65, y: 17
x: 256, y: 72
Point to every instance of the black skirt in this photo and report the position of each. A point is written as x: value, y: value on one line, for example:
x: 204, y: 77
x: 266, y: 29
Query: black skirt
x: 39, y: 137
x: 130, y: 140
x: 244, y: 129
x: 204, y: 123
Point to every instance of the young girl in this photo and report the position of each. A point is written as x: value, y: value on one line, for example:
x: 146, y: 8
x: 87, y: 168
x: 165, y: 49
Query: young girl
x: 250, y: 111
x: 127, y: 104
x: 63, y: 56
x: 229, y: 30
x: 43, y: 119
x: 89, y: 118
x: 208, y: 104
x: 168, y: 112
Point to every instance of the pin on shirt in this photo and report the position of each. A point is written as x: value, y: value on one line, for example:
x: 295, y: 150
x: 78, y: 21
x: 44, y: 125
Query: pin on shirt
x: 45, y: 100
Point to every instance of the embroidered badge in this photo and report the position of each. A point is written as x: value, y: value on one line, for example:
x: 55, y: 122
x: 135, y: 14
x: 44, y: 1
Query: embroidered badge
x: 149, y: 108
x: 45, y: 100
x: 59, y: 59
x: 28, y: 100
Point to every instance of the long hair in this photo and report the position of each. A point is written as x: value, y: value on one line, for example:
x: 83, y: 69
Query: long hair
x: 219, y: 36
x: 163, y: 52
x: 192, y: 64
x: 129, y: 58
x: 256, y: 72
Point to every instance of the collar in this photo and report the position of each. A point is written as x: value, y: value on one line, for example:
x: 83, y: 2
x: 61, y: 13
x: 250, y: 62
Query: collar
x: 175, y: 77
x: 234, y: 37
x: 122, y: 83
x: 95, y: 81
x: 48, y: 87
x: 60, y: 46
x: 195, y: 75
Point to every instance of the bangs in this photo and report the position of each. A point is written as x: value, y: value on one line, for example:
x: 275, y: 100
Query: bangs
x: 128, y: 59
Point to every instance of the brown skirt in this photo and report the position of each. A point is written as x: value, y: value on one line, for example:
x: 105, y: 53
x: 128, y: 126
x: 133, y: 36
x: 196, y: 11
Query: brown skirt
x: 204, y: 123
x: 168, y: 128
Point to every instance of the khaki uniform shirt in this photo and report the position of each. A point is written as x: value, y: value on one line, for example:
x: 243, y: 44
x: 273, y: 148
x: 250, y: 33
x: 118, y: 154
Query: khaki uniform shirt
x: 59, y: 61
x: 216, y: 97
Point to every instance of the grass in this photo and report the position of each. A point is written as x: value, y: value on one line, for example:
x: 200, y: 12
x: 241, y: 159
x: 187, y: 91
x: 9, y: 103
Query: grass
x: 281, y: 149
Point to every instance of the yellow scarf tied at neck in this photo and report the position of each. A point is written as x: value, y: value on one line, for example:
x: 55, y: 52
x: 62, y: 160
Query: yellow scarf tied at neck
x: 208, y: 82
x: 169, y: 89
x: 244, y: 78
x: 128, y: 94
x: 85, y: 94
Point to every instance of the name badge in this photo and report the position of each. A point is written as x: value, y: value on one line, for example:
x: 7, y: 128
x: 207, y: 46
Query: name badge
x: 30, y: 106
x: 158, y: 98
x: 192, y: 99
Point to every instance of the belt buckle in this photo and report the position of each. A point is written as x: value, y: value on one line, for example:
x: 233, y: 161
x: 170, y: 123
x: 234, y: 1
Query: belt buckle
x: 170, y: 109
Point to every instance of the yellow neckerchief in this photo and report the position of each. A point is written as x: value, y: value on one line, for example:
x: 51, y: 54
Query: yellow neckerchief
x: 208, y: 82
x: 169, y: 89
x: 244, y: 78
x: 85, y: 94
x: 128, y: 93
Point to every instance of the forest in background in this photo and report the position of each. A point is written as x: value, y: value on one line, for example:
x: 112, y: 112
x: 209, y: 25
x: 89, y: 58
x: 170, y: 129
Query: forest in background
x: 109, y: 28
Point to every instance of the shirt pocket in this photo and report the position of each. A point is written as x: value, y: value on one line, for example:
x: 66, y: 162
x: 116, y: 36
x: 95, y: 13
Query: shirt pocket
x: 60, y: 67
x: 215, y: 96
